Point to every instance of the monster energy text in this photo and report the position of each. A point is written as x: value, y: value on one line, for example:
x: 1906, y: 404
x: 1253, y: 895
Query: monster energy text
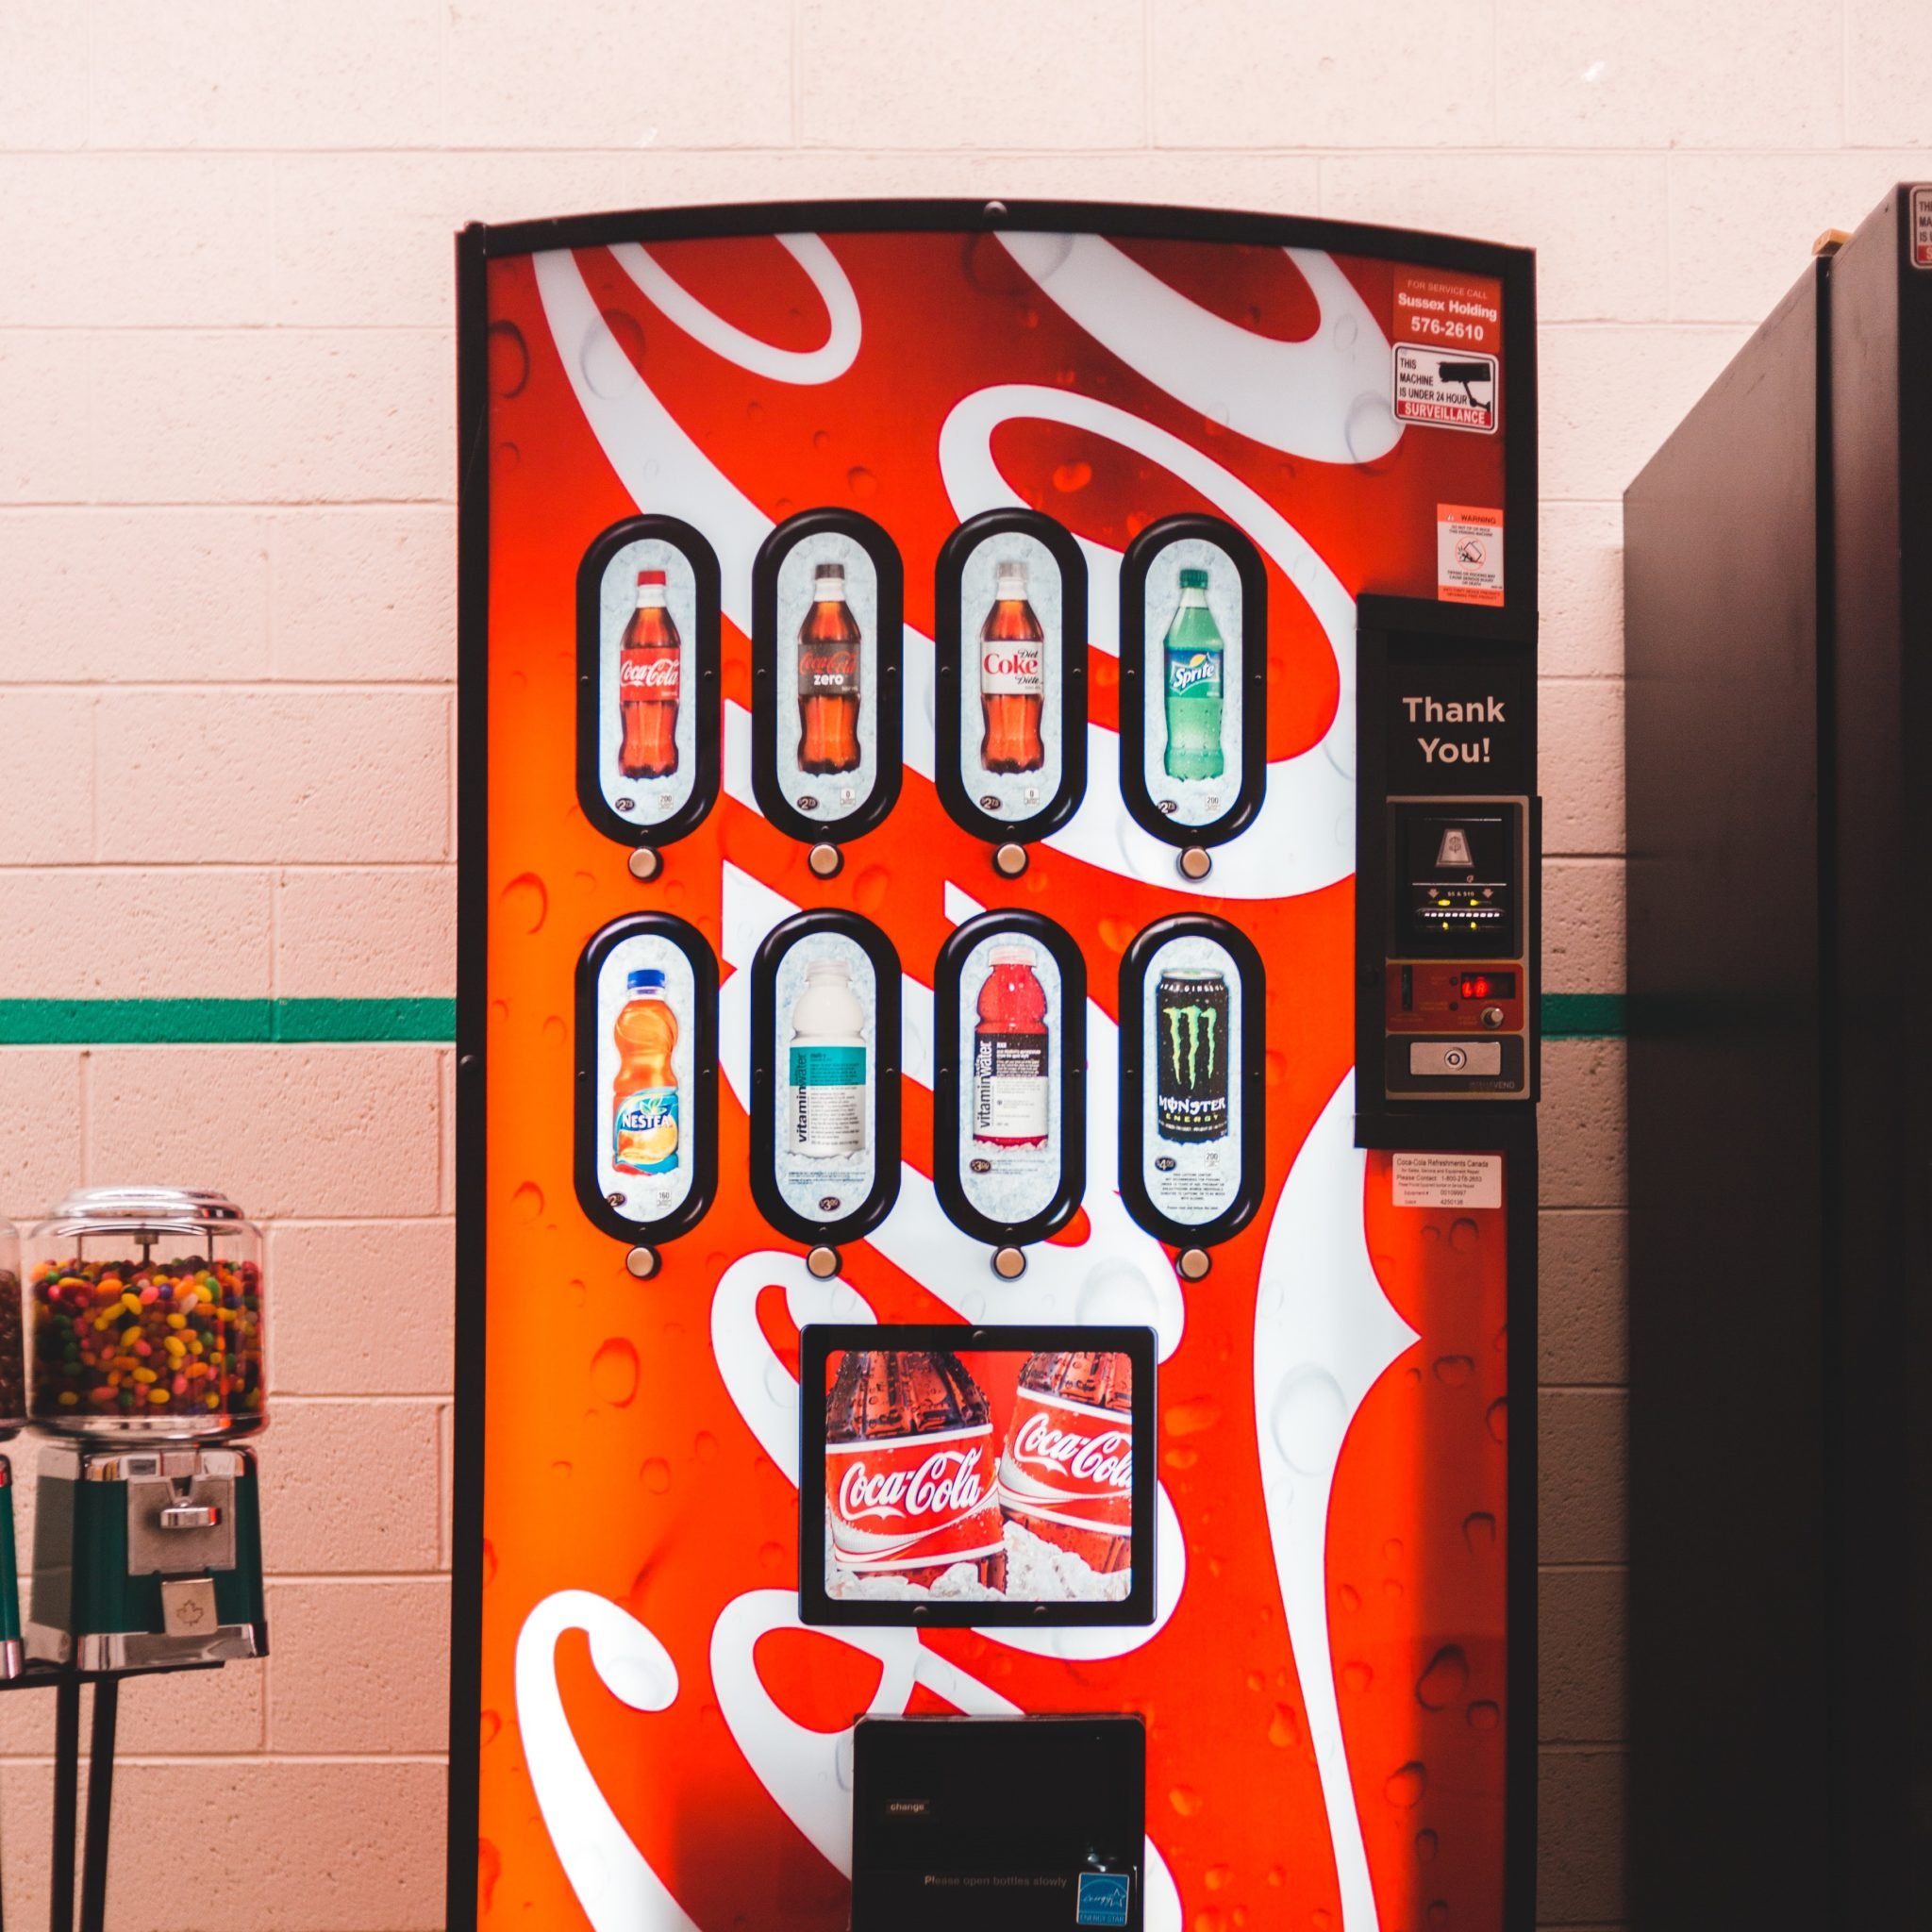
x: 1191, y: 1038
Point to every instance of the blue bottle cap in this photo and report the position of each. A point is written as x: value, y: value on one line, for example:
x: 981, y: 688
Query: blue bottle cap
x: 645, y: 980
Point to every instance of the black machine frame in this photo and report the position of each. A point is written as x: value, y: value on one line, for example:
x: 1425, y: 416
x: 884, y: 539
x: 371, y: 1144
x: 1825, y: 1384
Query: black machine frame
x: 1511, y: 1131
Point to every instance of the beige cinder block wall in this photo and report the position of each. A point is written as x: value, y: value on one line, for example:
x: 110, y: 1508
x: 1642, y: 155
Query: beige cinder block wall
x: 227, y: 601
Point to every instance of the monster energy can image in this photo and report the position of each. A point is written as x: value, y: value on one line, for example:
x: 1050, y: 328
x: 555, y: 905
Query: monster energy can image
x: 1192, y: 1046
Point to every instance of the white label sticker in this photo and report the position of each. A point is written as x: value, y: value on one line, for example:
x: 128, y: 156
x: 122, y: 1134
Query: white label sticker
x: 1446, y: 389
x: 1921, y: 227
x: 1448, y: 1180
x: 1469, y: 554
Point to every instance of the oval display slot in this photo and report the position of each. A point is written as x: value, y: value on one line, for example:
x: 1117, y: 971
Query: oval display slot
x: 1066, y: 1062
x: 644, y: 943
x: 771, y: 1080
x: 610, y: 567
x: 963, y: 782
x: 1250, y: 676
x: 1187, y: 1040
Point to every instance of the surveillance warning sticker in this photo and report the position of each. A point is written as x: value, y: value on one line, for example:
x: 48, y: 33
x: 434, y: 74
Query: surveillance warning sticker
x: 1469, y: 554
x: 1921, y: 227
x: 1446, y: 389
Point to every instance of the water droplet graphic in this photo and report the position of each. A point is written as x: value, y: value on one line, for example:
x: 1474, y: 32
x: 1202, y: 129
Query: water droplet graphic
x: 870, y: 887
x: 1426, y: 1845
x: 779, y: 1385
x: 656, y: 1475
x: 488, y: 1725
x: 553, y: 1031
x: 1484, y: 1716
x: 1068, y: 477
x: 509, y: 357
x: 1370, y: 429
x: 1117, y: 1292
x: 1497, y: 1418
x: 607, y: 368
x: 489, y: 1870
x: 1351, y: 1597
x: 1186, y: 1800
x: 705, y: 1446
x: 1453, y: 1371
x: 1479, y: 1531
x: 1344, y: 332
x: 566, y: 1469
x: 1209, y: 1921
x: 526, y: 902
x: 1275, y: 1065
x: 1191, y: 1418
x: 1391, y: 1550
x: 489, y: 1562
x: 862, y: 481
x: 1284, y: 1727
x: 1181, y: 1459
x: 527, y: 1201
x: 1445, y: 1680
x: 614, y: 1372
x: 1405, y: 1787
x: 1308, y: 1420
x: 1356, y: 1677
x: 1463, y: 1234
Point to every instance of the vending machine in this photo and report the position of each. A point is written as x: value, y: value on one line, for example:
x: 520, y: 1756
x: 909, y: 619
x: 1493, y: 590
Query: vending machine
x: 996, y: 1072
x: 1778, y: 605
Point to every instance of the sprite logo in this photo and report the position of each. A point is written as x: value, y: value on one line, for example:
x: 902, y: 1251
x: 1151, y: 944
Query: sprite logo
x: 1194, y: 1017
x: 1203, y: 669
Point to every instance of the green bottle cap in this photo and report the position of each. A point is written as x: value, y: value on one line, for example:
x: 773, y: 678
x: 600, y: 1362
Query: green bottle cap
x: 1194, y: 580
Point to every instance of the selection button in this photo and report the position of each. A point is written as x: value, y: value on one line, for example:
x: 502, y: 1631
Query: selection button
x: 1465, y: 1059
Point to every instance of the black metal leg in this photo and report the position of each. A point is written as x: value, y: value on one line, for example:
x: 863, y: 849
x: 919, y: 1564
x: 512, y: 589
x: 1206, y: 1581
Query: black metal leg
x: 100, y: 1806
x: 66, y: 1796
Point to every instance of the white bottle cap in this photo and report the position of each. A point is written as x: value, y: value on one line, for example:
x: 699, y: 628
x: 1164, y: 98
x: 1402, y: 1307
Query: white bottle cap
x: 1010, y: 956
x: 1009, y: 582
x: 828, y: 583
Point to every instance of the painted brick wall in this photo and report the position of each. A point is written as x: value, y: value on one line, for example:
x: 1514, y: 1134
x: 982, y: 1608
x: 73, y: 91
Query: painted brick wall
x: 226, y: 659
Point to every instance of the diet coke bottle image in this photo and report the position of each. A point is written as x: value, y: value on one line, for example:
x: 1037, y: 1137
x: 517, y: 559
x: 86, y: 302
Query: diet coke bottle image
x: 1013, y: 677
x: 1067, y: 1473
x: 829, y: 642
x: 909, y: 1470
x: 1009, y: 1054
x: 649, y: 667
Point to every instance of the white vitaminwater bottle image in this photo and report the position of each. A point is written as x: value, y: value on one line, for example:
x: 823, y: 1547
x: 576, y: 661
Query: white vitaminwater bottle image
x: 827, y: 1066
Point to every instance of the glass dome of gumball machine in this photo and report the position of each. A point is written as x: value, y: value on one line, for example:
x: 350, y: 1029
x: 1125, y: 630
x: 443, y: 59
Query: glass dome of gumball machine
x: 145, y: 1367
x: 12, y: 1420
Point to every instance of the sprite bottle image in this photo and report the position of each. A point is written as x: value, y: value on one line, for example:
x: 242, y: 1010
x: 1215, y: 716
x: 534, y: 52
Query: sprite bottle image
x: 1194, y: 653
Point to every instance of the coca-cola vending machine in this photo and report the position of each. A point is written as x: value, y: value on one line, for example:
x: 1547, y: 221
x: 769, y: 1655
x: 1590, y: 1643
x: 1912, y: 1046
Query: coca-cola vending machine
x: 997, y: 1052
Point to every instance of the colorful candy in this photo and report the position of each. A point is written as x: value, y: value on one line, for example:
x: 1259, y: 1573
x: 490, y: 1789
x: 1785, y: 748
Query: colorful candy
x: 12, y: 1365
x: 175, y: 1344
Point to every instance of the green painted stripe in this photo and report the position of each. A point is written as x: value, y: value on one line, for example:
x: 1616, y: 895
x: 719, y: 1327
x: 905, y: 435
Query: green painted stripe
x: 261, y: 1023
x: 221, y: 1022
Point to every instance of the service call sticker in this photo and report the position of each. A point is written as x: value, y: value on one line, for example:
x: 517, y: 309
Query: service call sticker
x: 1447, y: 334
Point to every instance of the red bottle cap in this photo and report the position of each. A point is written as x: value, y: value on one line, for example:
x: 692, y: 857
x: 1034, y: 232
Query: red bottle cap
x: 650, y: 577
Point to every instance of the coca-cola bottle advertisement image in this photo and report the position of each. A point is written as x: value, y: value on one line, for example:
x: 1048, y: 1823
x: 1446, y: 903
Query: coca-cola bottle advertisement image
x: 1010, y: 698
x: 825, y: 1011
x: 980, y: 1474
x: 827, y: 632
x: 1010, y: 1100
x: 647, y: 752
x: 1191, y: 682
x: 1191, y: 1099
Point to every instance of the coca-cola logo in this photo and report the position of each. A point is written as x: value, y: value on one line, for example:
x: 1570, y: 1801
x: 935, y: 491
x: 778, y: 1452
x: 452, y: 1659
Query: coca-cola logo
x: 1011, y: 663
x: 1102, y: 1459
x: 828, y: 667
x: 654, y: 672
x: 946, y: 1485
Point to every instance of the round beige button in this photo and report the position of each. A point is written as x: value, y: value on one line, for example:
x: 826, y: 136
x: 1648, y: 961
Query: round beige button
x: 1194, y: 1263
x: 1010, y: 860
x: 823, y: 1263
x: 825, y: 861
x: 1009, y: 1263
x: 1195, y: 863
x: 644, y: 1262
x: 645, y: 862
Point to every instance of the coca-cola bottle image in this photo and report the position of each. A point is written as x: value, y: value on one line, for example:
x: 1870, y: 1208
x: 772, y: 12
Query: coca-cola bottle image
x: 1067, y: 1474
x: 829, y: 677
x: 648, y: 670
x: 1013, y: 677
x: 1010, y: 1102
x: 909, y: 1469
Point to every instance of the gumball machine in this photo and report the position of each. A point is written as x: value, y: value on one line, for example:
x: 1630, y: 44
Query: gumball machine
x: 144, y: 1359
x: 12, y: 1420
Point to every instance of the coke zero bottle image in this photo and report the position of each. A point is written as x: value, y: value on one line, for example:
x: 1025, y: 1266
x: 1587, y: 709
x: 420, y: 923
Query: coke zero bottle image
x: 1013, y: 677
x: 829, y: 641
x: 649, y: 667
x: 909, y: 1469
x: 1067, y: 1473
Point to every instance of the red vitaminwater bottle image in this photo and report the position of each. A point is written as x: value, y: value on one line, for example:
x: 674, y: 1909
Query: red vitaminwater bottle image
x: 829, y: 642
x: 1067, y: 1473
x: 1009, y: 1053
x: 909, y: 1469
x: 1012, y: 676
x: 649, y: 671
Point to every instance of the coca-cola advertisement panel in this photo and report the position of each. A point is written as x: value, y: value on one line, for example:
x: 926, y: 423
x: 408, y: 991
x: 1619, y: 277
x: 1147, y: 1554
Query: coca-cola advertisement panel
x: 1337, y: 1668
x: 977, y: 1476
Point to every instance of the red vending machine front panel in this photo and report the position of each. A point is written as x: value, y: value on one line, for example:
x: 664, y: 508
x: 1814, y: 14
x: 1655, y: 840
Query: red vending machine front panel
x: 910, y: 846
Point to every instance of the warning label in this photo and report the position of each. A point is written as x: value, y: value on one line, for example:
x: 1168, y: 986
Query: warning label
x: 1921, y: 227
x: 1448, y: 1180
x: 1449, y: 389
x: 1469, y: 554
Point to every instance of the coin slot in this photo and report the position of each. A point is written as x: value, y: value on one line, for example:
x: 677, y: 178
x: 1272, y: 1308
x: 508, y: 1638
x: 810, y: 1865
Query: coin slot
x: 1193, y: 1057
x: 1193, y: 643
x: 1009, y: 1079
x: 825, y: 1078
x: 828, y: 597
x: 647, y: 682
x: 1009, y: 599
x: 645, y: 1166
